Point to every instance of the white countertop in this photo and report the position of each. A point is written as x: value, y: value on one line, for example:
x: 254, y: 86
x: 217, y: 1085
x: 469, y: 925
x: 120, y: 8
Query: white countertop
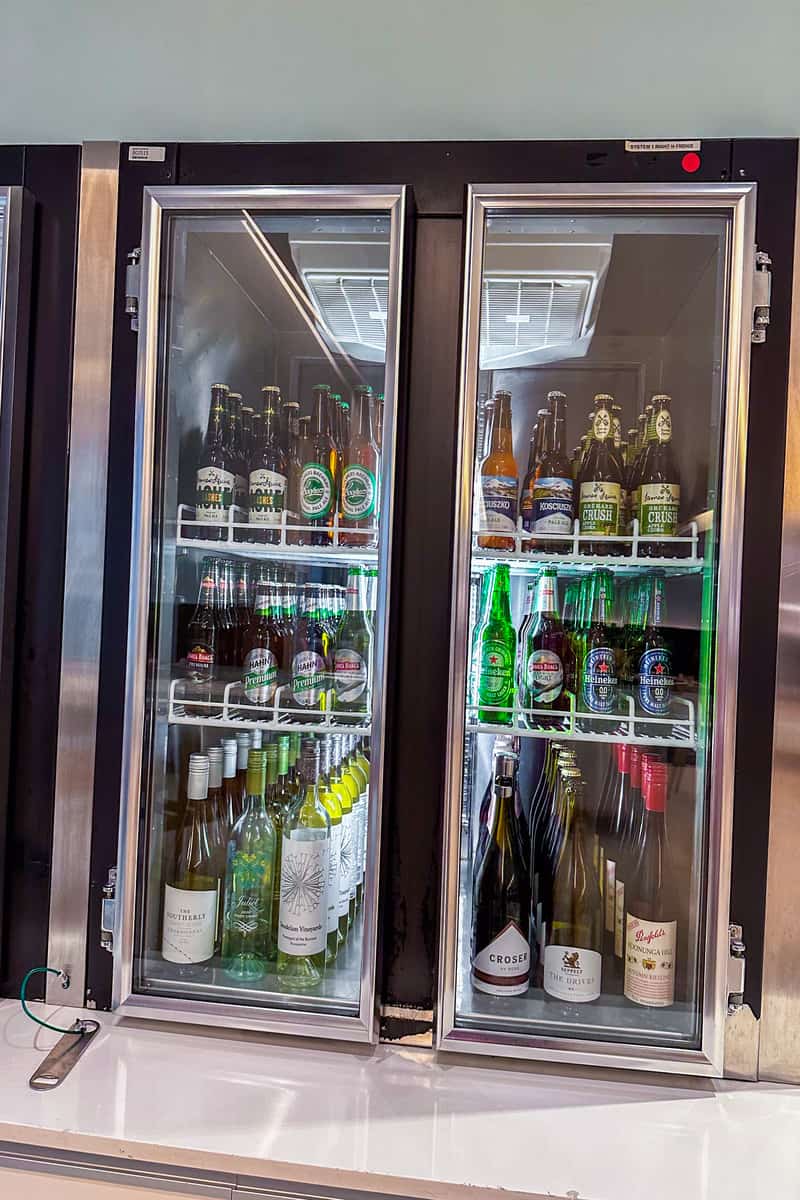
x: 397, y: 1120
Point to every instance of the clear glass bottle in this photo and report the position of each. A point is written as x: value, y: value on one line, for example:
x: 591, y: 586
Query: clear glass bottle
x: 247, y: 922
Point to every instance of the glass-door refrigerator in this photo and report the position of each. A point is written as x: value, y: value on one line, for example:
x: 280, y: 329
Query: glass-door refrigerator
x: 266, y: 407
x: 595, y: 628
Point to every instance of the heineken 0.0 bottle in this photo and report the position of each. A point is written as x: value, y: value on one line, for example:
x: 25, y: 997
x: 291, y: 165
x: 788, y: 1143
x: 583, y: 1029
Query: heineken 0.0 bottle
x: 248, y: 878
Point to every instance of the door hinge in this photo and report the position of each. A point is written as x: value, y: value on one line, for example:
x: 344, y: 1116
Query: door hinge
x: 108, y: 911
x: 762, y: 292
x: 132, y: 287
x: 736, y: 961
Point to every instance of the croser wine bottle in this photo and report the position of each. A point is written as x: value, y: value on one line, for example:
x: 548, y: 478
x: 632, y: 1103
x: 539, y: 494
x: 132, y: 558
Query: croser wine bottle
x: 303, y: 912
x: 319, y: 479
x: 499, y: 482
x: 353, y: 656
x: 601, y: 483
x: 247, y: 925
x: 553, y: 487
x: 215, y: 480
x: 268, y: 474
x: 654, y: 677
x: 360, y: 476
x: 543, y: 657
x: 573, y: 956
x: 189, y: 926
x: 501, y: 957
x: 651, y: 920
x: 659, y: 486
x: 497, y: 652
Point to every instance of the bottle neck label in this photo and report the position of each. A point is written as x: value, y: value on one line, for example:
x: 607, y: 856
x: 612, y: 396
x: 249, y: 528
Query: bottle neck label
x: 359, y: 493
x: 502, y: 968
x: 663, y: 425
x: 601, y: 426
x: 650, y: 961
x: 572, y: 973
x: 316, y: 491
x: 553, y: 504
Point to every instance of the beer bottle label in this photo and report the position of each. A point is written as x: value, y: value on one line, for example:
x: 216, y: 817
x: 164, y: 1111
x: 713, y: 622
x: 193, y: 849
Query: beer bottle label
x: 553, y: 505
x: 599, y: 680
x: 599, y: 507
x: 572, y: 973
x: 316, y: 492
x: 349, y: 676
x: 658, y: 509
x: 499, y: 503
x: 213, y: 495
x: 650, y: 961
x: 200, y: 661
x: 656, y: 680
x: 502, y: 968
x: 359, y: 493
x: 544, y: 677
x: 190, y: 921
x: 308, y: 678
x: 496, y: 677
x: 303, y: 910
x: 260, y: 675
x: 267, y: 495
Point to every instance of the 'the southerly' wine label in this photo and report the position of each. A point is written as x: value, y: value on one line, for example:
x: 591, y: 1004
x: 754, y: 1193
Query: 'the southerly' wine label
x: 499, y: 503
x: 303, y: 912
x: 572, y: 973
x: 599, y: 507
x: 189, y: 925
x: 214, y: 495
x: 650, y: 961
x: 502, y: 967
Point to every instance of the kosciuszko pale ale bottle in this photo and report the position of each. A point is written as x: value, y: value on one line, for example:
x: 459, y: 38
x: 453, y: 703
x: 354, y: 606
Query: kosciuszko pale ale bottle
x: 601, y: 482
x: 353, y: 656
x: 499, y: 482
x: 191, y: 899
x: 501, y: 956
x: 303, y: 912
x: 216, y: 478
x: 659, y: 486
x: 497, y: 652
x: 553, y: 487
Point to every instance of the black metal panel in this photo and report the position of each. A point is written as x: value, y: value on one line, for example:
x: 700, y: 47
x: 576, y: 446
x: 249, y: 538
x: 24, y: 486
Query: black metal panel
x: 133, y: 178
x: 773, y: 165
x: 417, y: 735
x: 440, y: 171
x: 52, y: 175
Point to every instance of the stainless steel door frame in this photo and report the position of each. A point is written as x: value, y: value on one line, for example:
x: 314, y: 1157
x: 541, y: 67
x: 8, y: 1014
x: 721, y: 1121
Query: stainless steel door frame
x: 739, y: 201
x: 159, y: 203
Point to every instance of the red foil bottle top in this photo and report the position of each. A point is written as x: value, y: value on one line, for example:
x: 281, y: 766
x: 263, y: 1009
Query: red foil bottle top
x: 636, y: 767
x: 624, y: 757
x: 655, y: 791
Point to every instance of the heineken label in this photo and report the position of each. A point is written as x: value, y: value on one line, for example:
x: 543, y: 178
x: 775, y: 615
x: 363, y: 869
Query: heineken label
x: 663, y: 425
x: 308, y: 678
x: 349, y: 676
x: 359, y: 493
x: 599, y: 507
x: 499, y: 503
x: 658, y: 509
x: 267, y: 495
x: 553, y: 505
x: 544, y: 677
x: 200, y: 661
x: 656, y: 681
x: 260, y: 676
x: 599, y: 680
x: 214, y: 495
x: 316, y: 492
x: 496, y: 679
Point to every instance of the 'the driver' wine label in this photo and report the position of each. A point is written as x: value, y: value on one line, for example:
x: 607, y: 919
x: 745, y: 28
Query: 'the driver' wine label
x: 502, y: 967
x: 572, y: 973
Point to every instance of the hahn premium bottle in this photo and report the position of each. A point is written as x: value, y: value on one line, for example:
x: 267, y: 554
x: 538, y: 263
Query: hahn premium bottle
x: 191, y: 900
x: 260, y: 662
x: 216, y: 472
x: 501, y: 956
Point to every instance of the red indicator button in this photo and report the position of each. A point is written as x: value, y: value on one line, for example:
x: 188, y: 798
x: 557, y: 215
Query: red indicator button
x: 691, y: 162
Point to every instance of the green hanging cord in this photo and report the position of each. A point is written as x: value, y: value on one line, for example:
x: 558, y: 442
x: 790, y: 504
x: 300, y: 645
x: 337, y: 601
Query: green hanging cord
x: 23, y: 1002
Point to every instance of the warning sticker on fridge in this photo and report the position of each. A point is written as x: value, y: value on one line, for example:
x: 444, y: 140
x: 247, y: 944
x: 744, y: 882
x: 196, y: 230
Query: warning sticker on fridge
x: 662, y: 147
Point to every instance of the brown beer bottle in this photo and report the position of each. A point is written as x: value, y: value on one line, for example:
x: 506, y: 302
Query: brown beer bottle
x: 360, y: 476
x: 320, y: 473
x: 601, y: 483
x: 535, y: 452
x: 215, y: 481
x: 267, y: 484
x: 499, y: 481
x: 659, y: 486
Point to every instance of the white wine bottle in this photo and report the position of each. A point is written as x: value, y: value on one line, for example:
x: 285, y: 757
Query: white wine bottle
x: 190, y: 901
x: 305, y: 853
x: 573, y: 958
x: 501, y: 955
x: 650, y: 917
x: 330, y: 802
x: 247, y: 922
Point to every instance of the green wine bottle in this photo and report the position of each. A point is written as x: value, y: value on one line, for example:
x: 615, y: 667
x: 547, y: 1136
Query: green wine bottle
x: 305, y: 852
x: 248, y: 881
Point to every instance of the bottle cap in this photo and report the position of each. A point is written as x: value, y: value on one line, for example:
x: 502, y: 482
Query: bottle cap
x: 636, y: 767
x: 271, y: 387
x: 502, y: 395
x: 655, y: 792
x: 309, y: 761
x: 197, y: 783
x: 215, y: 766
x: 320, y: 387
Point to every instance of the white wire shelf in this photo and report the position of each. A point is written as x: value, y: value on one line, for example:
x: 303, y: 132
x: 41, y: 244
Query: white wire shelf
x: 676, y: 555
x: 234, y: 711
x: 237, y: 531
x: 678, y: 729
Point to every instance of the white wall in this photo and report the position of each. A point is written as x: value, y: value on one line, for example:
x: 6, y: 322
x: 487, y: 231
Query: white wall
x: 298, y: 69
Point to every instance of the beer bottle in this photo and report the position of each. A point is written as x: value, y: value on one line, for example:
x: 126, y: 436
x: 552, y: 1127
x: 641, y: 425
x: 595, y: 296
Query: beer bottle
x: 601, y: 483
x: 237, y: 452
x: 353, y: 656
x: 294, y: 469
x: 660, y: 487
x: 360, y: 477
x: 646, y: 436
x: 267, y: 489
x: 535, y: 452
x: 654, y: 677
x: 377, y: 419
x: 202, y: 662
x: 260, y: 665
x: 544, y: 655
x: 216, y: 478
x: 531, y: 590
x: 247, y: 432
x: 225, y: 619
x: 499, y: 481
x: 310, y: 658
x: 599, y: 667
x: 553, y: 487
x: 248, y: 879
x: 320, y: 474
x: 243, y: 607
x: 191, y: 900
x: 497, y: 652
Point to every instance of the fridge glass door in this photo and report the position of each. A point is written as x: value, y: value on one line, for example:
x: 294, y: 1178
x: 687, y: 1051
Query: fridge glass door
x: 262, y: 519
x: 595, y: 623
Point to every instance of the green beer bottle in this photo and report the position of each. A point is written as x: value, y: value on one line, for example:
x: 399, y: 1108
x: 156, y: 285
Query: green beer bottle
x: 497, y: 652
x: 248, y: 880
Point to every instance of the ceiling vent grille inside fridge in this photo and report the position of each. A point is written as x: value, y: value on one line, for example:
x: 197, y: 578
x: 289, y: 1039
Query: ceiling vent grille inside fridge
x: 353, y: 307
x: 532, y: 314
